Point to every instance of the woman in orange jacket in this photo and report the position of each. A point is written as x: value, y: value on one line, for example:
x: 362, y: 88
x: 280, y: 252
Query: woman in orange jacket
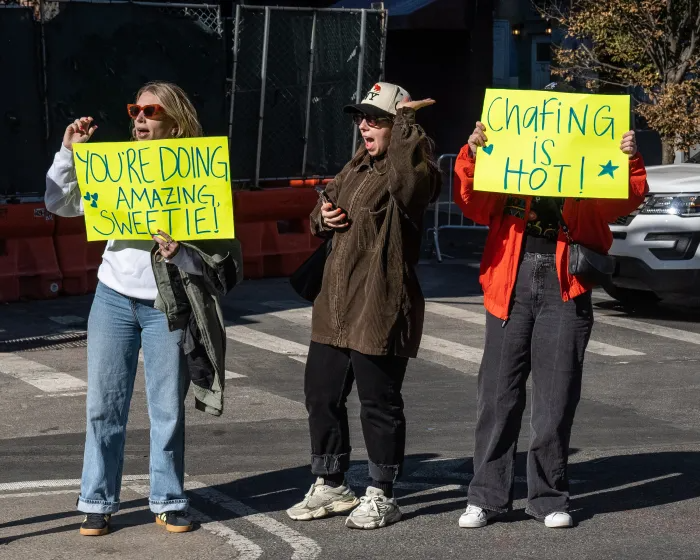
x: 539, y: 320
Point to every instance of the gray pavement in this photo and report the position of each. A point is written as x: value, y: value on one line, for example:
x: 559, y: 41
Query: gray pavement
x: 634, y: 463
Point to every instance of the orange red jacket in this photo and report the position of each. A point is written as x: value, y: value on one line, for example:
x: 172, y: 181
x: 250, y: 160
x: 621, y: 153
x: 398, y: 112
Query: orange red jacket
x: 505, y: 215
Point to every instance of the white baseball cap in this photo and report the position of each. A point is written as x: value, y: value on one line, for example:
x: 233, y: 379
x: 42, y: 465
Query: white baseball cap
x: 380, y: 101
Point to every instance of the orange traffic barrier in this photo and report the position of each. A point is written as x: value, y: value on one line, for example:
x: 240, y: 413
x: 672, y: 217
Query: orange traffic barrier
x: 77, y: 259
x: 28, y: 265
x: 309, y: 182
x: 273, y: 228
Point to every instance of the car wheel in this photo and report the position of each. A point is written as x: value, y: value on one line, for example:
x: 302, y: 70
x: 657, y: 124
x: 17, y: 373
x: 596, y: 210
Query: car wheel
x: 629, y: 296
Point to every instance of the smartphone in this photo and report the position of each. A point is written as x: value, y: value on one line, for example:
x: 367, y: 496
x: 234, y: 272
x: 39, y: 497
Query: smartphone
x: 324, y: 196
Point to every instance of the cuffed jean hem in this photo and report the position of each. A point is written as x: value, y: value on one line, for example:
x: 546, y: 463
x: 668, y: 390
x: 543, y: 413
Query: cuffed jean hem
x: 97, y: 506
x: 324, y: 465
x: 487, y: 507
x: 170, y: 505
x: 384, y: 473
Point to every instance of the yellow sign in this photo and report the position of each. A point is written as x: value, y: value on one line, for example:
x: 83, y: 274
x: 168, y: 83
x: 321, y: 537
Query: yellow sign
x: 132, y: 189
x: 546, y: 143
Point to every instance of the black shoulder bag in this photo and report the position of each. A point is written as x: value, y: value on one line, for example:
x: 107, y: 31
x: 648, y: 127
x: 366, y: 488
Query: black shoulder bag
x: 307, y: 279
x: 589, y: 266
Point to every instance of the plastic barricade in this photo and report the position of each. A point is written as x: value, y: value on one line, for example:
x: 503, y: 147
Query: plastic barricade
x: 77, y: 259
x: 314, y: 182
x: 273, y: 228
x: 28, y: 264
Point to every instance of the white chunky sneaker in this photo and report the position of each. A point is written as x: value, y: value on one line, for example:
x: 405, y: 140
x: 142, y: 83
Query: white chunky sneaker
x: 322, y: 500
x: 476, y: 517
x: 375, y: 511
x: 558, y: 520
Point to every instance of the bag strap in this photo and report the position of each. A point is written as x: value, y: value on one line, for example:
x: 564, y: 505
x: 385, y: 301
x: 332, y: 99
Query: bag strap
x: 562, y: 223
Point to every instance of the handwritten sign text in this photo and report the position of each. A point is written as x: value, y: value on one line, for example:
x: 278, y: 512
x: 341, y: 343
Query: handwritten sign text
x: 546, y: 143
x: 133, y: 189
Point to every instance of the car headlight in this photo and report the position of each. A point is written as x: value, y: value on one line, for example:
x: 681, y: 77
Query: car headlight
x: 676, y: 205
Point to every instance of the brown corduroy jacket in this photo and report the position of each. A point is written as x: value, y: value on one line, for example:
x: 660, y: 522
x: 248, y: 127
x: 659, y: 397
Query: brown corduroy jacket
x: 370, y: 300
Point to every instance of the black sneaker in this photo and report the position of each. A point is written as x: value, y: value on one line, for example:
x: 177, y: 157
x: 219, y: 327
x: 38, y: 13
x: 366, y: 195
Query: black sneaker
x: 175, y: 521
x: 95, y: 525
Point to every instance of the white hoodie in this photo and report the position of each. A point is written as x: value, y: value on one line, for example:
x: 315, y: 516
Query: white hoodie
x: 126, y: 265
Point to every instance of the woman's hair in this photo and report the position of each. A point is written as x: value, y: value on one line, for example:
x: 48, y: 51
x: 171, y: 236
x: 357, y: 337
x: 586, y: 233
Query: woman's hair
x: 177, y: 106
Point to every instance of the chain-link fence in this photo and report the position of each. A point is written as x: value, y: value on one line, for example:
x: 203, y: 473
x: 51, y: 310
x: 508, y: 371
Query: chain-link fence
x: 22, y: 127
x: 127, y: 44
x: 293, y: 71
x: 71, y: 58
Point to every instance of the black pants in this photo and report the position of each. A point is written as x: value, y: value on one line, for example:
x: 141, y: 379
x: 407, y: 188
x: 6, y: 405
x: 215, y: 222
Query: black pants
x: 547, y: 336
x: 330, y: 373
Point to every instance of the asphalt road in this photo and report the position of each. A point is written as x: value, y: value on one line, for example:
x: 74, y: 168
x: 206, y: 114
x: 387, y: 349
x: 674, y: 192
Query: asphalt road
x: 634, y: 464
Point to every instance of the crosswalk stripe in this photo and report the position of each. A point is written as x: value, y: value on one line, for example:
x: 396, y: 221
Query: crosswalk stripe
x: 35, y: 494
x: 455, y: 313
x: 436, y: 350
x: 65, y: 483
x: 290, y: 311
x: 604, y: 349
x: 247, y: 549
x: 452, y: 349
x: 594, y: 346
x: 304, y: 547
x: 228, y: 374
x: 657, y: 330
x: 264, y: 341
x: 44, y: 378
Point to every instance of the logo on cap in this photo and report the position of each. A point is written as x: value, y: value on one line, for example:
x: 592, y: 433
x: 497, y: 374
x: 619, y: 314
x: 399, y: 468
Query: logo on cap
x: 374, y: 92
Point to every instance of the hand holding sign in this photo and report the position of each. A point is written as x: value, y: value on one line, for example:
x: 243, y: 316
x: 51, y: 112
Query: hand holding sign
x: 478, y: 138
x: 548, y: 143
x: 629, y: 144
x: 168, y: 247
x: 134, y: 189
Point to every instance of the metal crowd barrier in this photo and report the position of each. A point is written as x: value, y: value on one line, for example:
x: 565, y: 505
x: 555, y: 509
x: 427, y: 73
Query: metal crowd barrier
x: 446, y: 205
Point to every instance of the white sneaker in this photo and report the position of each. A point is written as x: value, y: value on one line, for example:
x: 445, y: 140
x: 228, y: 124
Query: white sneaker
x: 476, y: 517
x: 375, y: 511
x: 321, y: 500
x: 558, y: 520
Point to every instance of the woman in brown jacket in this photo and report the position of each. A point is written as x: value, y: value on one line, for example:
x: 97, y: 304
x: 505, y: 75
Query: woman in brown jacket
x: 368, y: 317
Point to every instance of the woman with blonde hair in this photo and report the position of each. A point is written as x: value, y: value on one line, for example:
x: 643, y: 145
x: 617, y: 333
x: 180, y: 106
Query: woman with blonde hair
x: 161, y: 296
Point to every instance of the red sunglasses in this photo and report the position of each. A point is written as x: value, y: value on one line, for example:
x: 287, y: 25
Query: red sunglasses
x: 149, y: 111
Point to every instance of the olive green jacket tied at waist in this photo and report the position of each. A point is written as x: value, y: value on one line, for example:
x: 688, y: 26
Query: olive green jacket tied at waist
x: 370, y: 300
x: 191, y: 302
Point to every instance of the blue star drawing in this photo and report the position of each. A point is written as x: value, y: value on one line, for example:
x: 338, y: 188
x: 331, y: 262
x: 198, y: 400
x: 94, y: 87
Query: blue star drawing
x: 608, y: 169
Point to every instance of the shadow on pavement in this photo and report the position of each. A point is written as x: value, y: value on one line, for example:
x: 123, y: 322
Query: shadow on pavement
x: 605, y: 485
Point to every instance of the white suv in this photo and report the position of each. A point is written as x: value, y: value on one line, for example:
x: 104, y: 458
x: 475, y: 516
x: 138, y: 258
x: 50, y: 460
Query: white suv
x: 656, y: 247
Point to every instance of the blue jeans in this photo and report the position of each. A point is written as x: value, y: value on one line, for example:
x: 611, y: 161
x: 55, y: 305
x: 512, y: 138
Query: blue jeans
x: 117, y: 328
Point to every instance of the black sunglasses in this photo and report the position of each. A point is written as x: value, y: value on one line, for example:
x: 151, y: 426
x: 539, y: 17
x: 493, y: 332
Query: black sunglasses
x: 371, y: 121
